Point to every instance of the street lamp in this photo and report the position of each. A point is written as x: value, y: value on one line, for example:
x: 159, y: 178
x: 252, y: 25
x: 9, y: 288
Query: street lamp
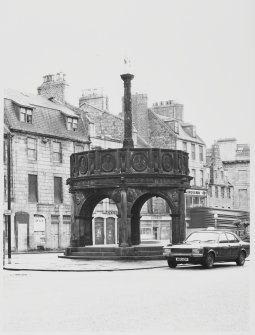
x: 215, y: 220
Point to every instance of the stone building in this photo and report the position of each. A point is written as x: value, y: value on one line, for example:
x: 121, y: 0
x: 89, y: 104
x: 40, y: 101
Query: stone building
x: 220, y: 189
x: 162, y: 126
x: 44, y: 131
x: 236, y: 162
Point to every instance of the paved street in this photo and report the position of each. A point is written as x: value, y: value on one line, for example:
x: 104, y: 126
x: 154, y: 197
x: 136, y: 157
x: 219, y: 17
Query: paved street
x: 156, y: 300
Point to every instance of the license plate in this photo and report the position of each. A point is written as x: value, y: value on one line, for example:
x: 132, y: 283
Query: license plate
x: 182, y: 259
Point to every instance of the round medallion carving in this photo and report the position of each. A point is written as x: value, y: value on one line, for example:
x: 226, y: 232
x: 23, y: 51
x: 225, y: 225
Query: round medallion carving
x: 139, y: 162
x: 83, y: 165
x: 167, y: 162
x: 108, y: 163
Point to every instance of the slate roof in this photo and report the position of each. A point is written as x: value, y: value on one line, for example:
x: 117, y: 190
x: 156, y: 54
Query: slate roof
x: 48, y: 117
x: 183, y: 135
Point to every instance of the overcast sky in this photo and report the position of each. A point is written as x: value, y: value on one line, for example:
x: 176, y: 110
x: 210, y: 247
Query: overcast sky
x: 198, y: 52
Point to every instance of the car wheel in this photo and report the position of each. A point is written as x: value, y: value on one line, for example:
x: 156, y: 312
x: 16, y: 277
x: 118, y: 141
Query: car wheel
x: 171, y: 264
x: 241, y: 259
x: 209, y: 260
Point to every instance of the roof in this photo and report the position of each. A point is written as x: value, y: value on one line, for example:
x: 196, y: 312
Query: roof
x: 48, y: 117
x: 32, y: 100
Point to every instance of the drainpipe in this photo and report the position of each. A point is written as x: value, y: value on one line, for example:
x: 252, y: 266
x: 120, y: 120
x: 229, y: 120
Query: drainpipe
x: 9, y: 193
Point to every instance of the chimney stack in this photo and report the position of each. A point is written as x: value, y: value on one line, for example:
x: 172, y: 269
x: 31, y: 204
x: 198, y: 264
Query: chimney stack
x: 53, y: 87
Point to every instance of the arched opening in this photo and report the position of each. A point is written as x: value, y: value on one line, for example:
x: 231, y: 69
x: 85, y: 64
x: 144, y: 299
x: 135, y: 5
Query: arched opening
x: 151, y: 219
x: 98, y: 221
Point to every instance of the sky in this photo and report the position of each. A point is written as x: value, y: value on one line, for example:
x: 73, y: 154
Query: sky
x: 199, y: 53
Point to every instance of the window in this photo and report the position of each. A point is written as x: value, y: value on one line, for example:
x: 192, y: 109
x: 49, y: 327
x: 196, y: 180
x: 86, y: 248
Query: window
x: 193, y: 151
x: 31, y: 148
x: 242, y: 176
x: 176, y: 127
x: 32, y: 188
x: 223, y: 238
x: 243, y: 198
x: 193, y: 171
x: 78, y: 148
x: 67, y: 219
x: 25, y: 115
x: 57, y: 156
x: 210, y: 191
x: 58, y: 197
x: 229, y: 192
x: 201, y: 177
x: 71, y: 123
x: 222, y: 175
x: 216, y: 192
x: 55, y: 219
x: 222, y: 191
x: 231, y: 238
x: 184, y: 144
x: 201, y: 153
x: 215, y: 174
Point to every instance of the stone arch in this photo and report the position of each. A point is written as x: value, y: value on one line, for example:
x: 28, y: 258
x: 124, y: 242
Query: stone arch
x: 81, y: 229
x: 136, y: 209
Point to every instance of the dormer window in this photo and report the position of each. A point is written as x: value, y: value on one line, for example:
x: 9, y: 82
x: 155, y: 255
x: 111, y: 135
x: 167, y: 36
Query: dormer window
x: 72, y: 123
x: 25, y: 115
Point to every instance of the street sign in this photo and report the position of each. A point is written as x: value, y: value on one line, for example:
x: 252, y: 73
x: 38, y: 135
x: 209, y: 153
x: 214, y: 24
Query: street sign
x: 7, y: 212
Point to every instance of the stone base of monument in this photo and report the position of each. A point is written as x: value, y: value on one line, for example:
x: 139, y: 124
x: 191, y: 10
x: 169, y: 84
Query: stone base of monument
x: 115, y: 253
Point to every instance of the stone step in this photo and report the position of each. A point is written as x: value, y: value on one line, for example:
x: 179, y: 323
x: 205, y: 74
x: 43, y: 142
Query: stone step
x: 108, y: 253
x: 94, y: 253
x: 157, y: 257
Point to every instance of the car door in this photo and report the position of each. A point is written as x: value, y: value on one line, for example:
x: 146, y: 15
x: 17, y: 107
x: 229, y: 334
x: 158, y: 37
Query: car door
x: 234, y: 245
x: 224, y: 252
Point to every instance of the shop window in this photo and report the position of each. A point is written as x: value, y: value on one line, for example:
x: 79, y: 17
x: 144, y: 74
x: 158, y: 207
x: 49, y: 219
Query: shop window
x: 58, y: 194
x: 31, y: 148
x: 32, y: 188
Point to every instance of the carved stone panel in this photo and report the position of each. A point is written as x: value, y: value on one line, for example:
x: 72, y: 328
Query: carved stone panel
x: 108, y: 163
x: 139, y: 162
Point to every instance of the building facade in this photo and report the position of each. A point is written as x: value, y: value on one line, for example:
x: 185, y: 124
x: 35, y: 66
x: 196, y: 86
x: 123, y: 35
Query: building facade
x: 236, y: 162
x: 44, y: 132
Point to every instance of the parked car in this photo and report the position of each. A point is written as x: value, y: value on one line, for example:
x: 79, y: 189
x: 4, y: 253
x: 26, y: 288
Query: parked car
x: 206, y: 247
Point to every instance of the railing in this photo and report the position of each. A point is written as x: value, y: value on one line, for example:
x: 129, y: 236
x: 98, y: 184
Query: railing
x: 129, y: 160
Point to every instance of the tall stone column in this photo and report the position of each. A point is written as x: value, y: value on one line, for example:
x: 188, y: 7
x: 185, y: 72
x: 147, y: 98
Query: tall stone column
x: 124, y: 222
x: 178, y: 221
x: 182, y: 221
x: 135, y: 229
x: 175, y: 228
x: 128, y: 140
